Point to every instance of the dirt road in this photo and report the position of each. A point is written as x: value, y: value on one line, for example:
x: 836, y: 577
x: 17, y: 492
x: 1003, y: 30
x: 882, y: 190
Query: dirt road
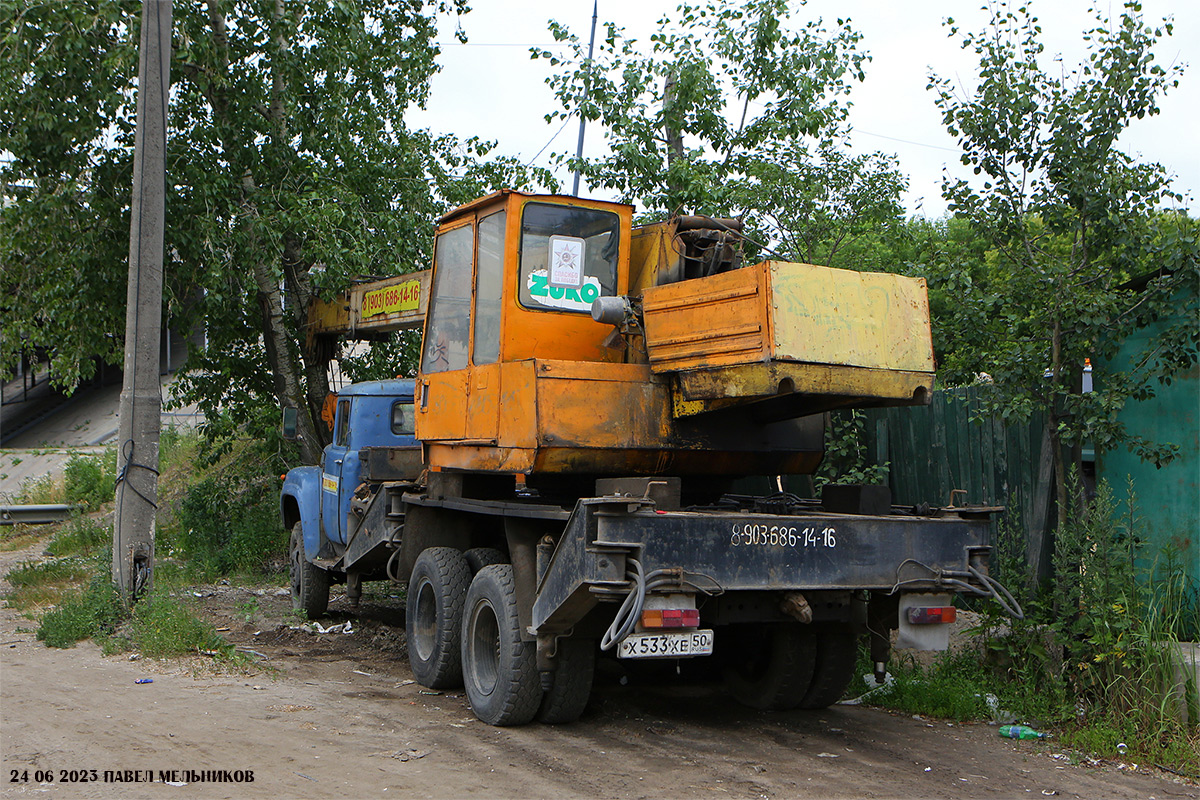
x: 338, y: 715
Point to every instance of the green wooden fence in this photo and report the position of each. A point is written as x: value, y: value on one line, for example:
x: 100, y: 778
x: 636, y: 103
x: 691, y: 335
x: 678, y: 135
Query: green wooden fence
x: 937, y: 449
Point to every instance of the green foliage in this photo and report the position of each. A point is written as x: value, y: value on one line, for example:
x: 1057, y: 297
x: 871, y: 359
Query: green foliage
x: 90, y: 480
x: 40, y: 583
x: 954, y: 687
x: 1118, y: 630
x: 1069, y: 220
x: 298, y: 172
x: 394, y: 358
x: 1095, y: 657
x: 228, y: 520
x: 17, y: 537
x: 41, y: 491
x: 813, y: 201
x: 846, y: 459
x: 93, y: 613
x: 65, y: 235
x: 727, y: 108
x: 79, y: 536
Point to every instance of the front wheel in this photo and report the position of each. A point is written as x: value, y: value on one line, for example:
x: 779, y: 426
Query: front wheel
x: 499, y: 669
x: 310, y: 583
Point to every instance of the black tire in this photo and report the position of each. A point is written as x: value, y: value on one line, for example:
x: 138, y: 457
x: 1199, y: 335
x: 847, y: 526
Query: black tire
x: 309, y: 583
x: 499, y: 670
x: 433, y: 618
x: 775, y: 666
x: 837, y: 652
x: 480, y: 557
x: 572, y: 687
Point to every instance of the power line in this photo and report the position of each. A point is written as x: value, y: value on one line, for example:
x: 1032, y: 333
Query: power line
x: 547, y: 144
x: 906, y: 141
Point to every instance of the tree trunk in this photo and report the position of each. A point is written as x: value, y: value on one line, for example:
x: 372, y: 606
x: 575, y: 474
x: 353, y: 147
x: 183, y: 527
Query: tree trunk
x: 282, y: 350
x: 315, y: 361
x: 1053, y: 418
x: 674, y: 139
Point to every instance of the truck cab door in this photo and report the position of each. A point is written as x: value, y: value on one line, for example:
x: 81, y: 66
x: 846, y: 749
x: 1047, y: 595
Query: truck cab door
x: 444, y: 383
x: 332, y: 520
x: 483, y: 420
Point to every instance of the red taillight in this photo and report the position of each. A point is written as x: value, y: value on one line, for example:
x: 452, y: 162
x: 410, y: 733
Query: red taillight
x: 670, y: 618
x: 922, y: 615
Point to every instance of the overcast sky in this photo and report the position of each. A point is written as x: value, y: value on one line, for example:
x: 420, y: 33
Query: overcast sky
x: 492, y: 89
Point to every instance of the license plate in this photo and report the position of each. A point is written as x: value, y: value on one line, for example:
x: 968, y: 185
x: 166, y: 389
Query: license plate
x: 666, y: 645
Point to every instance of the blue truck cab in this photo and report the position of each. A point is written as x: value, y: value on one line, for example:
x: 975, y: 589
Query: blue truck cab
x: 316, y: 502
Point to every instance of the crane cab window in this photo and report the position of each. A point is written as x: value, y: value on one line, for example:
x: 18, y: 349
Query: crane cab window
x: 568, y: 257
x: 446, y: 334
x: 489, y: 272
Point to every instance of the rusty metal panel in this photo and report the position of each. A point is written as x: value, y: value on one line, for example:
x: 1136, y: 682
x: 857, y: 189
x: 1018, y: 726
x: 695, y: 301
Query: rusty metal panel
x: 442, y: 405
x: 710, y: 322
x: 483, y: 421
x: 480, y: 458
x: 518, y: 404
x: 601, y: 406
x: 391, y: 463
x: 822, y: 315
x: 653, y: 258
x: 766, y: 380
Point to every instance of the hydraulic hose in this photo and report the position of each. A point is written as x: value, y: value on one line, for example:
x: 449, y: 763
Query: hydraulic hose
x: 953, y: 578
x: 631, y: 608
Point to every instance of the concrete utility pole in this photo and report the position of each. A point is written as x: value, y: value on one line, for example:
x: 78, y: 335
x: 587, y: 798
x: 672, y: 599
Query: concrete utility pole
x: 141, y: 406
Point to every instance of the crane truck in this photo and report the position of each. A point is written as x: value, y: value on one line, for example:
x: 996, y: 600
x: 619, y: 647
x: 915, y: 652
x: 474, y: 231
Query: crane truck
x: 558, y: 482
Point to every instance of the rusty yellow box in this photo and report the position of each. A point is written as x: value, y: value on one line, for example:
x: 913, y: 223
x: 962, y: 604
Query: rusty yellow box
x: 779, y: 328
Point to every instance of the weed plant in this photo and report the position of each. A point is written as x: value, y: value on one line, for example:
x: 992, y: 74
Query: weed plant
x: 42, y: 583
x: 79, y: 535
x: 41, y: 491
x: 90, y: 481
x: 158, y: 625
x: 846, y: 459
x: 162, y: 627
x: 227, y: 518
x: 93, y: 613
x: 18, y: 537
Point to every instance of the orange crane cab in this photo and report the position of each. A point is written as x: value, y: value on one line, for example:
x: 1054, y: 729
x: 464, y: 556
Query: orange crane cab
x: 514, y: 278
x: 705, y: 372
x: 517, y: 377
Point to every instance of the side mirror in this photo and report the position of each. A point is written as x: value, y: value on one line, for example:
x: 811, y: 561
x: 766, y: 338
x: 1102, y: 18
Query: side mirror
x: 291, y: 417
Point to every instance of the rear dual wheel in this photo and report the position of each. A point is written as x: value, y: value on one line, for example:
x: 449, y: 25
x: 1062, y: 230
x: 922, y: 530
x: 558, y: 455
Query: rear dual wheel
x: 790, y: 665
x: 499, y: 669
x: 433, y: 618
x: 567, y: 697
x: 837, y: 652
